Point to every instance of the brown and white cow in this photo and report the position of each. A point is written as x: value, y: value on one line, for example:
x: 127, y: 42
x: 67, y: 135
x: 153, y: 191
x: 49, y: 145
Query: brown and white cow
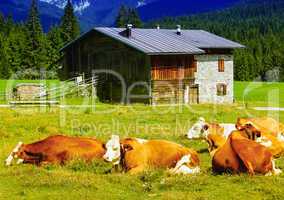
x: 213, y: 133
x: 197, y: 131
x: 241, y: 154
x: 57, y: 150
x: 136, y: 155
x: 214, y: 136
x: 271, y: 133
x: 266, y: 125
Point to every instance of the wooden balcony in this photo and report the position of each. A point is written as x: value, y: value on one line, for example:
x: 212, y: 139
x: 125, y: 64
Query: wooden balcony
x: 170, y: 73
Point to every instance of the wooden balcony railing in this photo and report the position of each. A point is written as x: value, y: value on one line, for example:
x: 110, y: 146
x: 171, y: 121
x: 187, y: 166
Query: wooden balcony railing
x: 169, y: 73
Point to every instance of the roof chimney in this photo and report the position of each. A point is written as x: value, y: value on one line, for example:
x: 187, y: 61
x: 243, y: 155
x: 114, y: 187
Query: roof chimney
x: 128, y: 30
x: 178, y: 30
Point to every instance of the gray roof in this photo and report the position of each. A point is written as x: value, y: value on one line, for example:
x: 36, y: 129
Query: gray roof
x: 166, y: 41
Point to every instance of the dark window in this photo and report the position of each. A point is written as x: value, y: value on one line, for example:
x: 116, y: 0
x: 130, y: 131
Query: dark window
x: 221, y: 89
x: 221, y: 65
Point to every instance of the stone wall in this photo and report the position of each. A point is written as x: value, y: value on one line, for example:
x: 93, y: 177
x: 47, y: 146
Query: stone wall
x: 207, y: 77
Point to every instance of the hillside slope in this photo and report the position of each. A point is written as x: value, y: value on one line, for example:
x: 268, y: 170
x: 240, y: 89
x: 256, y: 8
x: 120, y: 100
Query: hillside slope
x: 90, y: 12
x: 165, y: 8
x: 103, y: 12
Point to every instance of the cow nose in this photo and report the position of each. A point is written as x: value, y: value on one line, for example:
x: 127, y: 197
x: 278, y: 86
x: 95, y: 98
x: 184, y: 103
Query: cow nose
x: 106, y: 158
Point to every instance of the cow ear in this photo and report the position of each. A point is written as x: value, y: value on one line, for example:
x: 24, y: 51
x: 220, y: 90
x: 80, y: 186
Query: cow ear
x: 127, y: 147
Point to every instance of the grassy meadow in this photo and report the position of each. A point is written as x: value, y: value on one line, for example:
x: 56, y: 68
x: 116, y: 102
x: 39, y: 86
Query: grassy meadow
x: 78, y: 180
x: 259, y: 93
x: 245, y: 93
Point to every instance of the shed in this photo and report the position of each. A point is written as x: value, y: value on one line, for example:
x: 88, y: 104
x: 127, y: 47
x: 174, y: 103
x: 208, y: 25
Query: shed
x: 154, y: 65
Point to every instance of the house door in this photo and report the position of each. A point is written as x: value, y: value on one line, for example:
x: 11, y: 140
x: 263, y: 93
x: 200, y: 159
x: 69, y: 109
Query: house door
x: 193, y: 94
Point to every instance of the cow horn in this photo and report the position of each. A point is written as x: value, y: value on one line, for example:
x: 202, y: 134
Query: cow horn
x: 11, y: 156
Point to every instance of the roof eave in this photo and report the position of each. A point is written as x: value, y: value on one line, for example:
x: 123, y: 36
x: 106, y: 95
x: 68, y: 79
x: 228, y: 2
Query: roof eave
x: 220, y: 47
x: 174, y: 53
x: 75, y: 40
x: 127, y: 44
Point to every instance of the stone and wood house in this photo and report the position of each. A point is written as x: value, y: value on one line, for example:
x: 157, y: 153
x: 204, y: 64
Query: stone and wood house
x: 154, y: 65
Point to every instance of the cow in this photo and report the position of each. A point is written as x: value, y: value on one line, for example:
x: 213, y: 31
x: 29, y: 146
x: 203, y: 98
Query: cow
x: 271, y: 133
x: 241, y: 153
x: 213, y: 133
x: 273, y: 144
x: 265, y: 125
x: 214, y: 136
x: 136, y: 155
x: 197, y: 130
x: 57, y: 149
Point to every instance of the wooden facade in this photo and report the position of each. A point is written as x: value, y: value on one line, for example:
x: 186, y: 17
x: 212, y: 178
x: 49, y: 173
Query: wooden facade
x: 153, y: 65
x: 110, y: 61
x: 123, y: 71
x: 170, y: 74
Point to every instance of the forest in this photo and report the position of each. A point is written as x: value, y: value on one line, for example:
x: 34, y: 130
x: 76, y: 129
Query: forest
x: 258, y: 26
x: 25, y: 50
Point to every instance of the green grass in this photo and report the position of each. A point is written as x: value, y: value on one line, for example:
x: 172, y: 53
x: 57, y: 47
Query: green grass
x: 8, y: 85
x: 80, y: 181
x: 246, y: 93
x: 259, y: 93
x: 11, y: 83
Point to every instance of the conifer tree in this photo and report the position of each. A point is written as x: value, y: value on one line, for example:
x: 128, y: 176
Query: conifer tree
x: 35, y: 50
x: 2, y: 21
x: 69, y: 24
x: 34, y: 27
x: 55, y: 42
x: 122, y: 17
x: 5, y: 71
x: 128, y: 16
x: 134, y: 18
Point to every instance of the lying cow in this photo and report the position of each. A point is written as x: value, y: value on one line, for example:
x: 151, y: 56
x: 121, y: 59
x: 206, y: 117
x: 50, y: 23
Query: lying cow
x: 57, y: 150
x: 265, y: 125
x: 136, y: 155
x: 241, y: 154
x: 271, y: 133
x: 197, y: 130
x: 214, y: 134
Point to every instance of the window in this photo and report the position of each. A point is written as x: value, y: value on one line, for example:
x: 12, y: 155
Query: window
x: 221, y: 89
x: 221, y: 65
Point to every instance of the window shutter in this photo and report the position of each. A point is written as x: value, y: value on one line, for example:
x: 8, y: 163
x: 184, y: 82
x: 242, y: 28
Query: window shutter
x: 221, y: 65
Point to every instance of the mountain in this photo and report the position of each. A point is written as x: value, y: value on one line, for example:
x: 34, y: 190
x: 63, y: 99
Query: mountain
x: 50, y: 14
x: 89, y: 12
x: 103, y: 12
x: 165, y: 8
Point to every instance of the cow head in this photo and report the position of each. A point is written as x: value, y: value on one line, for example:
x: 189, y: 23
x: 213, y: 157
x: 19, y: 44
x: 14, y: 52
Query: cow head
x: 113, y: 150
x: 198, y: 130
x: 251, y: 132
x: 16, y: 153
x: 242, y: 122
